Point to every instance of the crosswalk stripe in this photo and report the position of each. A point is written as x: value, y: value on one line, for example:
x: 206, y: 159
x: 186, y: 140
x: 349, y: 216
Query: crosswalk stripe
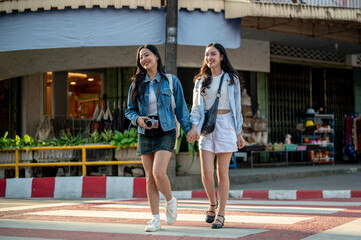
x: 181, y: 217
x: 22, y: 238
x: 34, y: 206
x: 129, y: 228
x: 268, y: 209
x: 349, y: 231
x: 278, y: 202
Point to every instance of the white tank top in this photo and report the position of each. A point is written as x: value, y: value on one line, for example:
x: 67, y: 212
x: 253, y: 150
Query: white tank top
x: 211, y: 93
x: 152, y: 101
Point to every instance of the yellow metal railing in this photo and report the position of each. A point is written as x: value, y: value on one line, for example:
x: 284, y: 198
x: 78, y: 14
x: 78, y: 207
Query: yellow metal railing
x: 83, y: 163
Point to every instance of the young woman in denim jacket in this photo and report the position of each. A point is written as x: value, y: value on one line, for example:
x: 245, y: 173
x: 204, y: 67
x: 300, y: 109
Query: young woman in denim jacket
x: 227, y: 135
x: 155, y: 143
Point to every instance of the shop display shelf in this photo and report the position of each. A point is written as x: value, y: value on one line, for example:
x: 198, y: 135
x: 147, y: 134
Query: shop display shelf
x: 322, y: 139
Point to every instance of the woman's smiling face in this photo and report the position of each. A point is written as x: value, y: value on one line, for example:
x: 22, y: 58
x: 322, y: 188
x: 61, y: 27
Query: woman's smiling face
x: 212, y: 57
x: 148, y: 59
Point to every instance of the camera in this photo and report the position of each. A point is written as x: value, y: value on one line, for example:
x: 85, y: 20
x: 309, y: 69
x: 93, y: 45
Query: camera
x: 151, y: 123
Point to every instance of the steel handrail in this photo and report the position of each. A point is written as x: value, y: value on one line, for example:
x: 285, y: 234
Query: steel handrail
x: 83, y: 163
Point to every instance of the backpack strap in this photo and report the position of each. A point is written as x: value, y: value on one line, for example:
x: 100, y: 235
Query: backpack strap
x: 170, y: 80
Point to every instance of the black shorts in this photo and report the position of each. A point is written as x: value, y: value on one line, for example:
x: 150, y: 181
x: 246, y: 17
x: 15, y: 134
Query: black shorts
x: 156, y: 141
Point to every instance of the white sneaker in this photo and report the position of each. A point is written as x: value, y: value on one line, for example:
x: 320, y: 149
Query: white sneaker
x: 171, y: 211
x: 154, y: 225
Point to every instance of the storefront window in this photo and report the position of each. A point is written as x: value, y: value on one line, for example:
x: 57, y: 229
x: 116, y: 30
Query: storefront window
x: 84, y: 91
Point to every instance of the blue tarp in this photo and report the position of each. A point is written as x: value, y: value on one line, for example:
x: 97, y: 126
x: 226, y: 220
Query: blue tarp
x: 112, y: 27
x: 201, y: 28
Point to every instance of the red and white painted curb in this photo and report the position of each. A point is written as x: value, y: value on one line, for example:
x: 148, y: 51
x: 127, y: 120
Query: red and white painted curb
x: 73, y: 187
x: 129, y: 187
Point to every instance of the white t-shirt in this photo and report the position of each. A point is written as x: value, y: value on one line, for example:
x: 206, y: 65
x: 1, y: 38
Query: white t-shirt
x: 211, y: 93
x: 152, y: 101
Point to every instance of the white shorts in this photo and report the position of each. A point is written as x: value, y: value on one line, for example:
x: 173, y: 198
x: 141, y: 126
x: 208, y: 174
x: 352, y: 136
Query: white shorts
x: 223, y: 139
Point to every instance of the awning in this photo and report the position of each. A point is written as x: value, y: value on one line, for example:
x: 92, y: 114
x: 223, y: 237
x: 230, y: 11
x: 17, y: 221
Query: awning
x: 81, y: 28
x: 97, y: 27
x: 201, y: 28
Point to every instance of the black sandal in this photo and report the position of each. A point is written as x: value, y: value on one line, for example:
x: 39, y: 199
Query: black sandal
x: 216, y: 225
x: 210, y: 219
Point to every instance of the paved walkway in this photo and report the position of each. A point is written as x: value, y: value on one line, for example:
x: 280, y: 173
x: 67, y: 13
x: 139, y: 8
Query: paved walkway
x: 42, y: 219
x: 324, y: 177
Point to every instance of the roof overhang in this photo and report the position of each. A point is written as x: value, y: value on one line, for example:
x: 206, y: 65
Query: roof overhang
x: 333, y: 23
x: 247, y: 8
x: 35, y: 5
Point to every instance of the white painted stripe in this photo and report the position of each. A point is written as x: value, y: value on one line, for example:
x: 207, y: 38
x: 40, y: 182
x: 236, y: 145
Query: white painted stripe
x: 272, y: 202
x: 282, y: 194
x: 18, y: 187
x: 178, y: 195
x: 182, y: 194
x: 233, y: 208
x: 130, y: 228
x: 23, y: 238
x: 35, y: 206
x: 119, y: 187
x: 181, y: 217
x: 68, y: 187
x: 349, y: 231
x: 336, y: 194
x: 236, y: 194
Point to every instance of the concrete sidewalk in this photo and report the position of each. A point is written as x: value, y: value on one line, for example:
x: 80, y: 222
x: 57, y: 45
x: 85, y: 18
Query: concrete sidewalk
x: 293, y: 182
x: 323, y: 177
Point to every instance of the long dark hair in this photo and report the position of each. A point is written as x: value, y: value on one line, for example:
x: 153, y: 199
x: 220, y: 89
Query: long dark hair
x: 225, y: 65
x: 138, y: 78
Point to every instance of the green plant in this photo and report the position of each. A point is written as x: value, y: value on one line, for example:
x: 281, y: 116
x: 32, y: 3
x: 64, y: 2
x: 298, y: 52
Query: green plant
x: 5, y: 142
x: 68, y: 140
x: 95, y: 137
x: 107, y: 135
x: 18, y: 143
x: 103, y: 137
x: 125, y: 139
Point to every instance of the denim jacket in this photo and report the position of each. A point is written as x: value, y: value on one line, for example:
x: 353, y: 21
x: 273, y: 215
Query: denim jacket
x: 234, y: 94
x: 165, y: 111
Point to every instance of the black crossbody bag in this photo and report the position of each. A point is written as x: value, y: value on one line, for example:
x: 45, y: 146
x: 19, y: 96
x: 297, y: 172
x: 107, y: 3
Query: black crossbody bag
x: 211, y: 115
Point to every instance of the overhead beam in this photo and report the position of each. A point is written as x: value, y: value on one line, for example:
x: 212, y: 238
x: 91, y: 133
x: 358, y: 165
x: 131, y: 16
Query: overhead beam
x: 340, y: 31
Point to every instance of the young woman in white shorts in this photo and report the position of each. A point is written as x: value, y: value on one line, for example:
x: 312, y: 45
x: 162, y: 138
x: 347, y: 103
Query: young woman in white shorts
x: 227, y: 136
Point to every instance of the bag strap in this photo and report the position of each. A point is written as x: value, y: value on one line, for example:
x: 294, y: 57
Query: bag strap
x: 220, y: 87
x: 170, y: 80
x: 160, y: 83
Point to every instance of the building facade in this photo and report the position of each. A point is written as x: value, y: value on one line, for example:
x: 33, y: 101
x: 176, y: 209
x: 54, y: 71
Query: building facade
x: 292, y: 55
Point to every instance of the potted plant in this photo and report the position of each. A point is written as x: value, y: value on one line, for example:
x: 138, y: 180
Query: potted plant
x: 60, y: 155
x: 9, y: 156
x: 126, y: 145
x: 126, y: 150
x: 105, y: 154
x: 187, y: 156
x: 12, y: 144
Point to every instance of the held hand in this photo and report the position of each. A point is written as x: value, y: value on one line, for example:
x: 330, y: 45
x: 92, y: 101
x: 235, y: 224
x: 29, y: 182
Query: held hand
x: 141, y: 122
x: 190, y: 138
x: 193, y: 135
x: 240, y: 141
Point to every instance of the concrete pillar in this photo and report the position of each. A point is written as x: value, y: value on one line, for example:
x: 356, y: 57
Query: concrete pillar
x: 32, y: 103
x: 171, y: 37
x: 60, y: 95
x: 262, y: 93
x: 253, y: 91
x: 171, y: 57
